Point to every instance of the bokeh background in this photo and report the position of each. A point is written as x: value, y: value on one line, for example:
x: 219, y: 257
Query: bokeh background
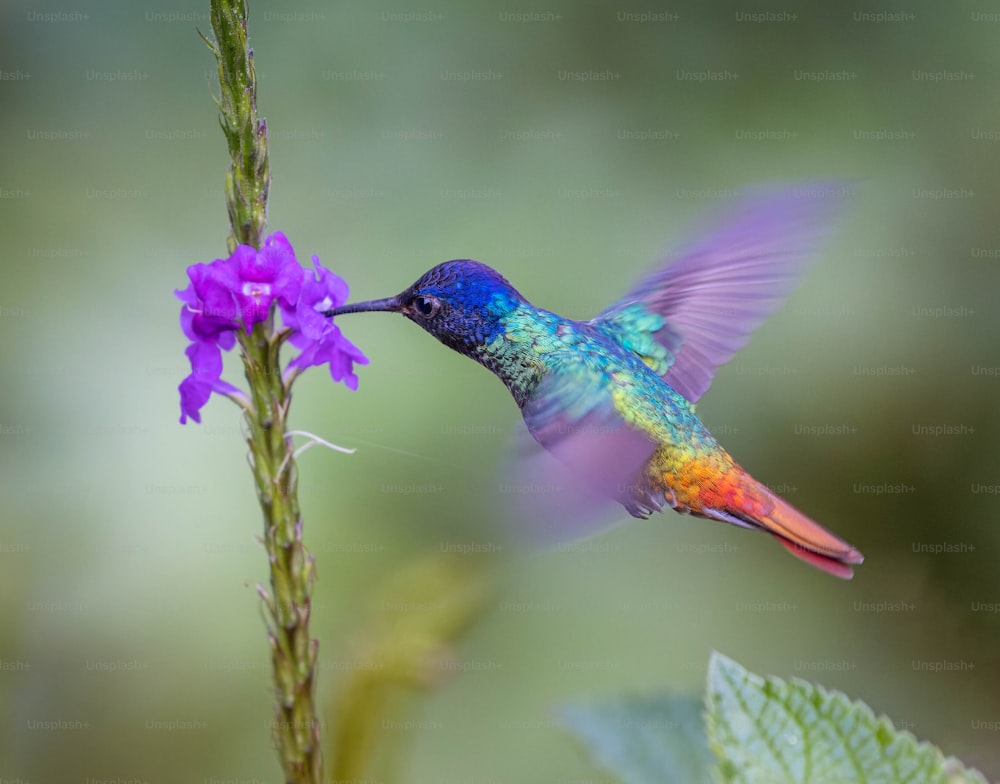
x: 568, y: 145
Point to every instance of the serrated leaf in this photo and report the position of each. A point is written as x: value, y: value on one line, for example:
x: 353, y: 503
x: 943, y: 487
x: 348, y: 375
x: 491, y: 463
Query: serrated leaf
x: 644, y: 740
x: 794, y: 732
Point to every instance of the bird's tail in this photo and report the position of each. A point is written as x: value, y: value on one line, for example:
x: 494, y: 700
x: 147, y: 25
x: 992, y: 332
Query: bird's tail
x: 760, y: 508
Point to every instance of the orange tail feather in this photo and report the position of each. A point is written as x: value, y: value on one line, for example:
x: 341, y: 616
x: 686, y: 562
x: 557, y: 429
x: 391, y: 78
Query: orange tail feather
x: 801, y: 536
x: 807, y: 539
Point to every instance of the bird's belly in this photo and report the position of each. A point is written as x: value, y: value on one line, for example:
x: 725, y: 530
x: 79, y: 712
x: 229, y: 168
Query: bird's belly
x: 690, y: 479
x: 688, y: 469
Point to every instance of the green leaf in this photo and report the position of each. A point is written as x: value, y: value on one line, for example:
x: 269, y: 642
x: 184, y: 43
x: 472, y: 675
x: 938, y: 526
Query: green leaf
x: 793, y: 732
x: 644, y: 740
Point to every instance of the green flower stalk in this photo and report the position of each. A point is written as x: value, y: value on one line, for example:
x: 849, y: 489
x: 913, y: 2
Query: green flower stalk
x: 234, y: 300
x: 249, y: 177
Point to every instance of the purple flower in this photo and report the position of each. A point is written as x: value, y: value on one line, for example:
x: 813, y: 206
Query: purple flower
x: 205, y: 378
x: 237, y: 293
x: 239, y: 290
x: 319, y: 338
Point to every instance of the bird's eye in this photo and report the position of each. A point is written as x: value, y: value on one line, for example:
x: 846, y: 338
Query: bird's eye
x: 426, y: 306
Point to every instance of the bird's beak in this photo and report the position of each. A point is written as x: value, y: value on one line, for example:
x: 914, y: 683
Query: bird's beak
x: 391, y: 304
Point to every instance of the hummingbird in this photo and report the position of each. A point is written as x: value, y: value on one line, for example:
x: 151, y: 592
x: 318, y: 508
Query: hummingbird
x: 611, y: 401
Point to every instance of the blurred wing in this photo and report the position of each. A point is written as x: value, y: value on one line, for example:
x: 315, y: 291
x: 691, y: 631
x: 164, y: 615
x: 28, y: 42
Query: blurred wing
x: 581, y: 457
x: 694, y: 313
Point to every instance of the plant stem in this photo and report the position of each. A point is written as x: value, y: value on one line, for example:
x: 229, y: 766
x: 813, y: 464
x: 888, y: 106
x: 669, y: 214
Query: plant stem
x: 288, y: 605
x: 249, y: 177
x: 296, y: 729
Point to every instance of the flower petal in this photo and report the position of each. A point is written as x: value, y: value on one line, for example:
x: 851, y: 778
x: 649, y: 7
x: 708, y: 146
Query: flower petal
x: 205, y: 378
x: 320, y: 292
x: 333, y: 349
x: 265, y: 275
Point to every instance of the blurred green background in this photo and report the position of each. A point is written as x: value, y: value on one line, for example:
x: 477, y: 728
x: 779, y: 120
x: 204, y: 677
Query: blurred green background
x: 132, y: 646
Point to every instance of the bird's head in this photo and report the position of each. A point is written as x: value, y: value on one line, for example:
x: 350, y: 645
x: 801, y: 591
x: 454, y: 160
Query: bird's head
x: 462, y: 303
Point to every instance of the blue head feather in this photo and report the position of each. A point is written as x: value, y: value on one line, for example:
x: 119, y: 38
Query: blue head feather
x: 466, y: 301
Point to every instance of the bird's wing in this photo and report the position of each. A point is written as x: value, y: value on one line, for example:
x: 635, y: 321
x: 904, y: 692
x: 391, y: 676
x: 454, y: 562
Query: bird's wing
x: 581, y: 456
x: 694, y: 312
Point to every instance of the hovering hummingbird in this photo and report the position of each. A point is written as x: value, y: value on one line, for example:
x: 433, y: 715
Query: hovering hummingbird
x: 613, y: 398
